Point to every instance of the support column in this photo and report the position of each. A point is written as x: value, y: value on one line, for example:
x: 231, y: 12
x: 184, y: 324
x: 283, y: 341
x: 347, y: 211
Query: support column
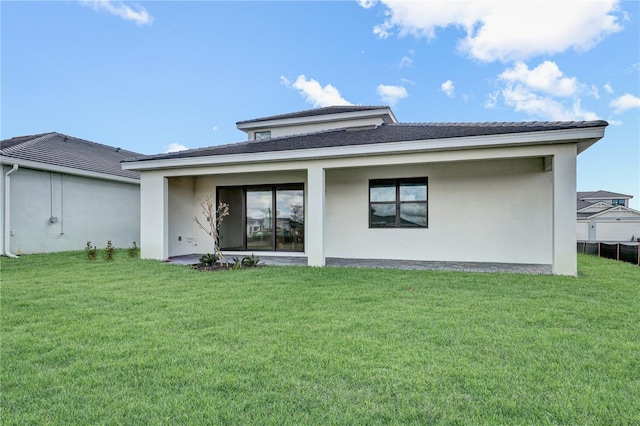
x: 314, y: 236
x: 154, y: 216
x: 564, y: 211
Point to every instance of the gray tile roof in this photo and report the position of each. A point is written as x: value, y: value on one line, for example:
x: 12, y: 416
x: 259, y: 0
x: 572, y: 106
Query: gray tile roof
x: 56, y: 149
x: 386, y: 133
x: 314, y: 112
x: 600, y: 194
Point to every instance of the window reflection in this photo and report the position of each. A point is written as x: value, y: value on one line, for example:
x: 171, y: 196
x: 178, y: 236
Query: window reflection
x: 398, y: 203
x: 259, y: 220
x: 290, y: 220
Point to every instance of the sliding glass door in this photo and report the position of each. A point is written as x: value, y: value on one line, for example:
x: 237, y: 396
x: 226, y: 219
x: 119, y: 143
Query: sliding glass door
x: 290, y: 219
x: 259, y: 219
x: 268, y: 217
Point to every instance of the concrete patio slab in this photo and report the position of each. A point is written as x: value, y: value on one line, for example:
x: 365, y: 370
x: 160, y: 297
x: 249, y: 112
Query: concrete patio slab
x: 515, y: 268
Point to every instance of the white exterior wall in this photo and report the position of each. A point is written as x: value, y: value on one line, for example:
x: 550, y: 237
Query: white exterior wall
x: 489, y: 211
x: 185, y: 193
x: 617, y: 230
x: 582, y: 231
x: 506, y: 204
x: 316, y: 127
x: 86, y: 209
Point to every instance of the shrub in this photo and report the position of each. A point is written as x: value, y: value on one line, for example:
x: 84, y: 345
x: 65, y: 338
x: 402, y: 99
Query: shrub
x: 134, y: 251
x: 92, y: 251
x: 209, y: 259
x: 109, y: 251
x: 250, y: 261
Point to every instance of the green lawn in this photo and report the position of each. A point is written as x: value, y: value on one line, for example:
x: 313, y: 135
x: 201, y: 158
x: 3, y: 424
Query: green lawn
x: 142, y: 342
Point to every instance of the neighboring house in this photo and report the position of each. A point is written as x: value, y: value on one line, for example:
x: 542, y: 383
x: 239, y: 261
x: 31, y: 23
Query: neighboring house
x: 606, y: 216
x: 354, y: 183
x: 57, y: 192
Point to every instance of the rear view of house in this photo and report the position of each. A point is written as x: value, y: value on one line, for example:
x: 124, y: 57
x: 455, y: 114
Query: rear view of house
x: 606, y: 216
x: 57, y: 192
x: 352, y: 182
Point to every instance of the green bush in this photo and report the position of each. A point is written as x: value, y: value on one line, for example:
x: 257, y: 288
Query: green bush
x: 134, y: 251
x: 250, y: 261
x: 92, y: 251
x: 209, y: 259
x: 109, y: 252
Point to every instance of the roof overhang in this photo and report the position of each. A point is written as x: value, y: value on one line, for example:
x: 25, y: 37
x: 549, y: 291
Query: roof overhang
x: 384, y: 113
x: 549, y: 137
x: 35, y: 165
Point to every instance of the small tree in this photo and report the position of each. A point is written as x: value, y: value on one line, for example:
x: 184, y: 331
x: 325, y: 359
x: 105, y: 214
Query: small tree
x: 109, y: 251
x: 213, y: 219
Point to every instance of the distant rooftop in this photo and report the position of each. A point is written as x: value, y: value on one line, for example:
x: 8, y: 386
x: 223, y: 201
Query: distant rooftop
x: 56, y: 149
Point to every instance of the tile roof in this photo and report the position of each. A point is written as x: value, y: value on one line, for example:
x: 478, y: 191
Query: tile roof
x: 56, y: 149
x: 316, y: 111
x: 386, y: 133
x: 600, y: 194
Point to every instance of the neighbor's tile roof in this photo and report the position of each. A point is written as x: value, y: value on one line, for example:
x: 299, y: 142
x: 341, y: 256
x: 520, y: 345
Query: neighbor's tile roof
x: 56, y: 149
x: 601, y: 195
x: 314, y: 112
x: 386, y: 133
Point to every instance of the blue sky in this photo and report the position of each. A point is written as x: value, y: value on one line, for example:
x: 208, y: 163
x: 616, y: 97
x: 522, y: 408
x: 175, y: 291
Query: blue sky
x: 155, y: 76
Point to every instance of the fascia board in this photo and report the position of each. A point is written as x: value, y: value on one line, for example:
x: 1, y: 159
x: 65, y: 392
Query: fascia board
x: 617, y: 197
x: 65, y: 170
x: 314, y: 119
x: 548, y: 137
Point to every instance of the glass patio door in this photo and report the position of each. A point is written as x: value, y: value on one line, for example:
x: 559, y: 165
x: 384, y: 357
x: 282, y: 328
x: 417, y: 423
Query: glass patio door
x: 263, y: 218
x: 259, y: 220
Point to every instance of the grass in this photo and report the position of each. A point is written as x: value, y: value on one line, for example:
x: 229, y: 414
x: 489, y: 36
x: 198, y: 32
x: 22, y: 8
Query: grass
x: 141, y: 342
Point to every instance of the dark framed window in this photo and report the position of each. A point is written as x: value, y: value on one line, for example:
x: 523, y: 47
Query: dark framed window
x: 617, y: 202
x: 398, y: 203
x: 263, y: 217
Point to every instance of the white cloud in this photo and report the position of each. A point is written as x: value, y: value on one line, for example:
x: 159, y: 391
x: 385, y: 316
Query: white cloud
x: 447, y: 87
x: 174, y: 147
x: 544, y: 92
x: 214, y: 128
x: 315, y: 93
x: 367, y: 4
x: 608, y: 88
x: 405, y: 62
x: 138, y: 14
x: 523, y: 99
x: 391, y: 94
x: 624, y: 102
x: 546, y: 77
x: 505, y: 30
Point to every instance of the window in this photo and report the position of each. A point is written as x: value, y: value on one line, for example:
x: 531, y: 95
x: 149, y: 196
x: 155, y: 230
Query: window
x: 260, y: 136
x: 265, y: 217
x: 398, y: 203
x: 617, y: 202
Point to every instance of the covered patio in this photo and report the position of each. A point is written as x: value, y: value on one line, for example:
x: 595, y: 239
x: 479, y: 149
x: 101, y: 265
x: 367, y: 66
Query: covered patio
x: 514, y: 268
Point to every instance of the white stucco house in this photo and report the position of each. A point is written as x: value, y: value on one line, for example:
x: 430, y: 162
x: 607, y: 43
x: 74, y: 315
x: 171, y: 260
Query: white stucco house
x: 57, y: 192
x: 352, y: 182
x: 606, y: 216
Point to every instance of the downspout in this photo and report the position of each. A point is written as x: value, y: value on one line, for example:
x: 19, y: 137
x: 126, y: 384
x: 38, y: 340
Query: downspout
x: 7, y: 213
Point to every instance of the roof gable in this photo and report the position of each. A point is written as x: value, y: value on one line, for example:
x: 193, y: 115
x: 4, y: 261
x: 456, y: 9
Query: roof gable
x: 617, y: 212
x: 595, y: 207
x: 51, y: 150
